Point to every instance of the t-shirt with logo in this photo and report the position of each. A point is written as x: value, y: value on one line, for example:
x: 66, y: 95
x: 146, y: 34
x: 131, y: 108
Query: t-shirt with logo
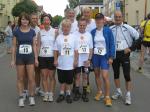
x: 47, y: 43
x: 85, y: 43
x: 24, y: 42
x: 66, y: 46
x: 99, y: 43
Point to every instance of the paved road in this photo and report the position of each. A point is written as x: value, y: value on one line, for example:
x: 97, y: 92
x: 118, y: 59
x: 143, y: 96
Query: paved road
x: 8, y: 95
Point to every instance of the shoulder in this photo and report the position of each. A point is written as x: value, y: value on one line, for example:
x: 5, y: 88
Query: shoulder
x: 113, y: 27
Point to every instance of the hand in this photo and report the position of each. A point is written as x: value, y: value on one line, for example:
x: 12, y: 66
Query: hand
x: 56, y: 63
x: 110, y: 61
x: 127, y: 50
x: 12, y: 64
x: 87, y: 63
x: 36, y: 63
x: 75, y: 64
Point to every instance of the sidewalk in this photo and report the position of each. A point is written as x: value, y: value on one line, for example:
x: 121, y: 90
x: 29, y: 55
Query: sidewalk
x: 2, y: 49
x: 135, y: 62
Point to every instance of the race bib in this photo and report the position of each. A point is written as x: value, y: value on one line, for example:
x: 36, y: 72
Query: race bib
x: 46, y: 51
x: 84, y: 49
x: 119, y: 45
x: 100, y: 51
x: 25, y: 49
x: 67, y: 50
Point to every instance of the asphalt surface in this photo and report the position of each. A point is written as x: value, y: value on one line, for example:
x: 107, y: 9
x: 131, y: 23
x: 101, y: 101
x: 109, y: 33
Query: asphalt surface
x: 8, y: 95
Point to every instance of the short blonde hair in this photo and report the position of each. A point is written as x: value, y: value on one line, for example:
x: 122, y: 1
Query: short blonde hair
x: 86, y: 9
x: 66, y: 22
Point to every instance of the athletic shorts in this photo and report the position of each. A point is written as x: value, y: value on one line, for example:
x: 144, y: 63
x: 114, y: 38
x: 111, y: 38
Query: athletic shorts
x: 24, y: 60
x: 65, y: 76
x: 46, y: 63
x: 80, y: 70
x: 146, y: 44
x: 100, y: 62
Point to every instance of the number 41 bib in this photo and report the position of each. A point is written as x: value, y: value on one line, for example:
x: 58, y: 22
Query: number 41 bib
x: 25, y: 49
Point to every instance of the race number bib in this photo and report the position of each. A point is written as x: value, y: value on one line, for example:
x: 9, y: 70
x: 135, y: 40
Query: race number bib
x: 83, y: 49
x: 46, y: 51
x: 67, y: 50
x: 25, y: 49
x: 119, y: 45
x: 100, y: 51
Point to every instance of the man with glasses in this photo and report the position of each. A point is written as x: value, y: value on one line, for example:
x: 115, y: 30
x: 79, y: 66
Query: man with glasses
x: 124, y: 39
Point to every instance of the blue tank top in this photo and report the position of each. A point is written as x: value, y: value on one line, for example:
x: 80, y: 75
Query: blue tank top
x: 24, y: 42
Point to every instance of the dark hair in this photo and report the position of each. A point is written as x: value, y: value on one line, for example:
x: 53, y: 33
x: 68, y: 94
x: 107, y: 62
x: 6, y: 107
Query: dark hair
x: 99, y: 16
x: 9, y: 22
x: 46, y: 15
x: 26, y: 16
x: 148, y: 16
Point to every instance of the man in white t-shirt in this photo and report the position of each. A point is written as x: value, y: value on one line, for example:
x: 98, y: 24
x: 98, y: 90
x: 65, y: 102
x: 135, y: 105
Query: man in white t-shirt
x: 87, y: 13
x: 70, y: 14
x: 85, y: 48
x: 66, y: 58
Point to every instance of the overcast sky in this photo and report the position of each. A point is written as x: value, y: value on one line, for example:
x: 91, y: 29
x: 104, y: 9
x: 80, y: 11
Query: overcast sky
x: 54, y: 7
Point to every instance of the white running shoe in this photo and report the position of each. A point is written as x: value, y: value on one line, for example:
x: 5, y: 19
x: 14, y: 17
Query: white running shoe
x: 46, y: 97
x: 31, y: 101
x: 50, y: 99
x: 116, y: 95
x: 128, y: 100
x: 21, y: 102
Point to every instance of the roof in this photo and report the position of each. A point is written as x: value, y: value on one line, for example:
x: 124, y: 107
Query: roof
x: 90, y: 2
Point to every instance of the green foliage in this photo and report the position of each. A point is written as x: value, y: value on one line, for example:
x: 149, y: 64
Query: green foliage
x: 56, y: 20
x: 27, y: 6
x: 73, y: 3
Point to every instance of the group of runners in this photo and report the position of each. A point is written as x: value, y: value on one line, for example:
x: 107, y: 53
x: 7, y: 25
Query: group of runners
x: 72, y: 52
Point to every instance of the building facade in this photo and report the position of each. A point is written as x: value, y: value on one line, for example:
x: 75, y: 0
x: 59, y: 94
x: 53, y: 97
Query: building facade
x: 5, y: 12
x: 95, y: 6
x: 110, y: 6
x: 136, y: 10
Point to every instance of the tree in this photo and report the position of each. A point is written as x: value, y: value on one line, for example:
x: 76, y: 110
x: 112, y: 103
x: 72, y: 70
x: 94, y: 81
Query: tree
x: 56, y: 20
x: 73, y: 3
x: 27, y: 6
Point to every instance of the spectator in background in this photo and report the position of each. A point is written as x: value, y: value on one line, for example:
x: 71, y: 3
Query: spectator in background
x: 9, y: 35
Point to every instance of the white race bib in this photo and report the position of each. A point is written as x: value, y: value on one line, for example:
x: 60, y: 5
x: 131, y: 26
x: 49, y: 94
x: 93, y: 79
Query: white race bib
x: 119, y: 45
x: 100, y: 51
x: 25, y: 49
x: 66, y: 50
x: 84, y: 49
x: 46, y: 51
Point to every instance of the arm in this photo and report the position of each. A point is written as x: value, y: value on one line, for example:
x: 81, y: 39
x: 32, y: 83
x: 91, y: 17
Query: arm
x: 38, y: 43
x: 35, y: 51
x: 111, y: 46
x: 13, y: 56
x: 76, y: 55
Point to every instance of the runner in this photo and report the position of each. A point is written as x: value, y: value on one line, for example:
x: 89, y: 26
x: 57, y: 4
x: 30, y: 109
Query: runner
x: 66, y: 58
x: 46, y: 58
x: 87, y: 12
x: 24, y: 55
x: 34, y: 25
x: 145, y: 26
x: 124, y: 36
x: 85, y: 47
x: 70, y: 14
x: 104, y: 52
